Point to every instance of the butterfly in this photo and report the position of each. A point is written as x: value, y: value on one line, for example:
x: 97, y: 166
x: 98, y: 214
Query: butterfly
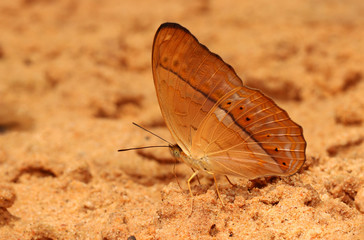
x: 220, y: 125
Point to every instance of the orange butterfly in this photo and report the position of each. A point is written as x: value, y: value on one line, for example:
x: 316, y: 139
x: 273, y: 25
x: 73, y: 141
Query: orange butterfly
x: 220, y: 126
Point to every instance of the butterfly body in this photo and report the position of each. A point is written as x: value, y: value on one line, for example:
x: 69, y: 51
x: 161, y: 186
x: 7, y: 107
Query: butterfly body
x: 201, y: 163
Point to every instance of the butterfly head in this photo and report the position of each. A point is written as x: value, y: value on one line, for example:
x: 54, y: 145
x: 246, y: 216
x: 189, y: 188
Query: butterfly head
x: 176, y: 151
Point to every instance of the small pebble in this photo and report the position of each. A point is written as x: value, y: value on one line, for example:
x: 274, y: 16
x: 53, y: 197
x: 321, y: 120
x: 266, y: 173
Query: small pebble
x: 7, y: 196
x: 359, y: 200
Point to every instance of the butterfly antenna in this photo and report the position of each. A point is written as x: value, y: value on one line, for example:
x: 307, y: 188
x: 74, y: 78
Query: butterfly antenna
x: 152, y: 133
x: 137, y: 148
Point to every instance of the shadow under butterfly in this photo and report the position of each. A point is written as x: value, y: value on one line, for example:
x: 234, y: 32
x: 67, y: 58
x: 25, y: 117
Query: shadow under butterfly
x: 220, y: 126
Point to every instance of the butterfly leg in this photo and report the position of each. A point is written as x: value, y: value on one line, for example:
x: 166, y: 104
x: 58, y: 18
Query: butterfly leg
x: 189, y: 180
x: 217, y: 190
x: 175, y: 175
x: 189, y: 188
x: 232, y: 184
x: 198, y: 179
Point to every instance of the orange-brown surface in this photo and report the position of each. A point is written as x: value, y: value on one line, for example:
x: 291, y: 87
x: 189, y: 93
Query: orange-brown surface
x: 75, y: 74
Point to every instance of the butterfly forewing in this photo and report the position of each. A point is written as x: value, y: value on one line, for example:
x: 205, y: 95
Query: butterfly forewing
x: 211, y: 114
x: 192, y: 79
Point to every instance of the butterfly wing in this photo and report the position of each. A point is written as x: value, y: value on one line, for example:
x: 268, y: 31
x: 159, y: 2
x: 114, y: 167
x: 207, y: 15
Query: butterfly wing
x: 211, y: 114
x: 247, y: 134
x: 185, y: 74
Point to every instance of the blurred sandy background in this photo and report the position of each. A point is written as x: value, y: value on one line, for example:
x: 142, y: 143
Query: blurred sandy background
x: 75, y: 74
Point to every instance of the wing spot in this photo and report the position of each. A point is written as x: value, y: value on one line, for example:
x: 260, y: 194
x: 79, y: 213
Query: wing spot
x: 284, y: 163
x: 228, y: 103
x: 175, y: 63
x: 241, y: 108
x: 247, y: 118
x: 165, y: 59
x: 276, y: 149
x: 268, y: 135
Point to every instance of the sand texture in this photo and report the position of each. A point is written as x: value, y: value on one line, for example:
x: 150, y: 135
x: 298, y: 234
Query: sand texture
x: 75, y: 74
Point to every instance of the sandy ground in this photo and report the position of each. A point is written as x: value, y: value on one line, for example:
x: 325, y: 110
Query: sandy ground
x: 75, y: 74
